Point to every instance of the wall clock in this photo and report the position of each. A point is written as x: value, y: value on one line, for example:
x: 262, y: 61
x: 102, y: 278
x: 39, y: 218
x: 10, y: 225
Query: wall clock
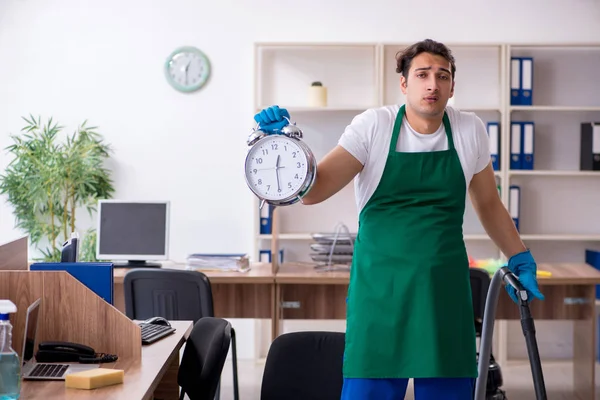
x: 187, y: 69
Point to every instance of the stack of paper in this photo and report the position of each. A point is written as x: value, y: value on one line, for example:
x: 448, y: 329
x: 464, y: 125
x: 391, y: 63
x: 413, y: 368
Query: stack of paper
x: 219, y: 262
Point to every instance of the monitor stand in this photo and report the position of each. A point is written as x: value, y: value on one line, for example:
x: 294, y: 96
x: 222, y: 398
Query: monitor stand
x: 137, y: 264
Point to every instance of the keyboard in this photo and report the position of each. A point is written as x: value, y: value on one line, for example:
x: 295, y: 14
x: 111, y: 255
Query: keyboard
x: 48, y: 370
x: 152, y: 332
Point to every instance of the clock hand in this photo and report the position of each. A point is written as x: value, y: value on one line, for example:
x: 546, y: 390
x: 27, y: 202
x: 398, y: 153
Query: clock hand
x: 277, y: 172
x: 264, y: 169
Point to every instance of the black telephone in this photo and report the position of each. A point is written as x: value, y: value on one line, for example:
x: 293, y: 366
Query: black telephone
x: 70, y: 352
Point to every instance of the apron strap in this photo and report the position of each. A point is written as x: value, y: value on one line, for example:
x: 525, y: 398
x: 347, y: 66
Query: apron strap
x: 398, y: 124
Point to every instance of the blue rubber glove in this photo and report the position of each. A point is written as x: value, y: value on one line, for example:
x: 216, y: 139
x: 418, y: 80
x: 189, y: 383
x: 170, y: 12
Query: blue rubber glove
x: 524, y: 267
x: 271, y: 119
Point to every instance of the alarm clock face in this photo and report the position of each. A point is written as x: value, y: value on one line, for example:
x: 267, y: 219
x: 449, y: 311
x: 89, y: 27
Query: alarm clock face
x: 277, y: 168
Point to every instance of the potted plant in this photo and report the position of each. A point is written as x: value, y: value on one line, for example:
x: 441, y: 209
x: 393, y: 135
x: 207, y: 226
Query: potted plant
x: 48, y: 182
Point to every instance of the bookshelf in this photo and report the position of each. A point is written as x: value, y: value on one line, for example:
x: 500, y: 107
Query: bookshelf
x: 556, y: 225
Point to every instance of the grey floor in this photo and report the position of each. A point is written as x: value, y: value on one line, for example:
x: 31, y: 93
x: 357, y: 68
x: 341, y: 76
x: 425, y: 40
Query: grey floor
x: 517, y: 378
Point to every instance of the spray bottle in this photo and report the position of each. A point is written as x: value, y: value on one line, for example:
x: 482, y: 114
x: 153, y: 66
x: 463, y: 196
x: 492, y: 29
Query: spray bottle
x: 10, y: 367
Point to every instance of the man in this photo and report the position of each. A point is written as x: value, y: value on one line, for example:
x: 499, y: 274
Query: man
x: 409, y: 311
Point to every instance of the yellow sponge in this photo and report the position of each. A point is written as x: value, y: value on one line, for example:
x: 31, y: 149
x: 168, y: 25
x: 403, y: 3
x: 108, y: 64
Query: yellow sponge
x: 94, y: 378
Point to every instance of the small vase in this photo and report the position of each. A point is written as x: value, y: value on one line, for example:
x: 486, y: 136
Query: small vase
x: 317, y: 95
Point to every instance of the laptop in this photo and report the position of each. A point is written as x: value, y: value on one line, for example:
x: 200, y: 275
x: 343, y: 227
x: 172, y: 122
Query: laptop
x: 43, y: 371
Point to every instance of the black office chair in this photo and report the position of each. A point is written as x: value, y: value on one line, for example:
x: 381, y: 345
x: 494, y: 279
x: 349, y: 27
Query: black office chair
x: 304, y: 366
x: 174, y: 295
x: 480, y: 284
x: 203, y: 358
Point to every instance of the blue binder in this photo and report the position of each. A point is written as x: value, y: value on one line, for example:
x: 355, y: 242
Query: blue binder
x: 514, y: 204
x: 527, y: 144
x: 526, y: 92
x: 97, y: 276
x: 515, y: 81
x: 516, y: 149
x: 493, y: 129
x: 265, y: 256
x: 266, y: 219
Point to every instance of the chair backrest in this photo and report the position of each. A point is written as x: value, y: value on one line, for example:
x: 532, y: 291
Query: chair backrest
x: 168, y: 293
x: 304, y: 365
x: 203, y: 358
x: 480, y: 284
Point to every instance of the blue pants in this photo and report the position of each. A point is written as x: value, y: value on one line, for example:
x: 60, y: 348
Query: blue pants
x: 395, y: 389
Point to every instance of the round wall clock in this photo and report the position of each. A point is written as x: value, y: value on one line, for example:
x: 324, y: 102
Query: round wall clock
x: 187, y: 69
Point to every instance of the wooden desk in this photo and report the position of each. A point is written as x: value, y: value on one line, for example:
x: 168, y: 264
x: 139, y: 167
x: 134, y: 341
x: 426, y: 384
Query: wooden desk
x: 298, y: 291
x: 235, y: 294
x: 155, y: 375
x: 304, y: 293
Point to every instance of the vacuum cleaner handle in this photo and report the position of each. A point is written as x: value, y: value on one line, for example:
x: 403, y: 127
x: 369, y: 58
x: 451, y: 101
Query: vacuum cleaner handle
x: 504, y: 275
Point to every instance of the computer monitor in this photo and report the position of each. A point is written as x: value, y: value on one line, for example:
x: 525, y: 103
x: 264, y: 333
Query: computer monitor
x: 30, y: 334
x: 133, y: 231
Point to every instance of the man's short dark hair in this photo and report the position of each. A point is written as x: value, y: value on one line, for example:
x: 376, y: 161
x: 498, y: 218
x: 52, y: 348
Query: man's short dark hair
x: 404, y: 57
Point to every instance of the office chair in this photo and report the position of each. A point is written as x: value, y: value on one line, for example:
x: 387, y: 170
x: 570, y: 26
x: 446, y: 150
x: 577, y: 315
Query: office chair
x: 203, y: 358
x: 174, y: 295
x: 480, y: 284
x: 304, y: 366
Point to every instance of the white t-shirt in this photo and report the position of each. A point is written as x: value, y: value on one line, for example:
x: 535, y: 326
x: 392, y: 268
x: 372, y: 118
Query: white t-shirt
x: 369, y: 134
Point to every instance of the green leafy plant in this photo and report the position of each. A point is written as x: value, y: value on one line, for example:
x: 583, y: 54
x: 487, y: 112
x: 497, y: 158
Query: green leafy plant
x: 48, y: 182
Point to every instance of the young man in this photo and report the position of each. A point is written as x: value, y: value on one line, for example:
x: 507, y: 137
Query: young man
x: 409, y: 312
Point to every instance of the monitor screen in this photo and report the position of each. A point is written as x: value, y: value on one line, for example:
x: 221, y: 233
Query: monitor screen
x: 31, y: 325
x: 130, y: 230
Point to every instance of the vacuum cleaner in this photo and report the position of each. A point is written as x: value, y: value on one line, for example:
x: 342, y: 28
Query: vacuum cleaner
x: 486, y: 363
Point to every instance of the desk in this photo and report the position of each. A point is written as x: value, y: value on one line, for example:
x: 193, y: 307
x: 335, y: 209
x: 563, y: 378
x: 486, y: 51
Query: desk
x: 235, y: 294
x: 300, y: 292
x: 155, y: 375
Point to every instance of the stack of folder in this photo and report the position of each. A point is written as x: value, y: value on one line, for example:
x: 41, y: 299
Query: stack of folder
x: 522, y: 144
x: 521, y: 81
x: 218, y: 262
x: 337, y: 248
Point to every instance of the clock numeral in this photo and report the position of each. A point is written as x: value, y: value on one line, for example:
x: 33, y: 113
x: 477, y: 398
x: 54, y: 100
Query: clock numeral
x: 265, y: 152
x: 293, y: 154
x: 298, y: 165
x: 295, y: 176
x: 289, y: 185
x: 259, y: 160
x: 255, y: 171
x: 268, y: 187
x: 260, y: 181
x: 274, y: 146
x: 285, y: 147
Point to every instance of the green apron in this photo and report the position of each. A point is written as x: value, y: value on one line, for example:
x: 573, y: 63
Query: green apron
x: 409, y: 311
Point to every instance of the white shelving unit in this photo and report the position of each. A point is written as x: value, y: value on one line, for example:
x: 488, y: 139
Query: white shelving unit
x: 560, y: 205
x: 362, y: 75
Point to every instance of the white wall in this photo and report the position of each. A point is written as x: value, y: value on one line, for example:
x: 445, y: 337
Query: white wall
x: 103, y: 60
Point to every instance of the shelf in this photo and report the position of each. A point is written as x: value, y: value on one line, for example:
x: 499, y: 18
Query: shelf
x: 308, y: 236
x: 555, y: 108
x: 554, y: 173
x: 295, y: 109
x: 566, y: 237
x: 288, y: 236
x: 475, y: 236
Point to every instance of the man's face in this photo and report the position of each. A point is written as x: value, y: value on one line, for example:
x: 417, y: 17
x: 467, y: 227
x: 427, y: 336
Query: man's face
x: 428, y: 85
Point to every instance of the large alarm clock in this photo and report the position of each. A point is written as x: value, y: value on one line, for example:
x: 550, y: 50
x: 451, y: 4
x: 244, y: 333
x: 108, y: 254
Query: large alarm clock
x: 280, y: 168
